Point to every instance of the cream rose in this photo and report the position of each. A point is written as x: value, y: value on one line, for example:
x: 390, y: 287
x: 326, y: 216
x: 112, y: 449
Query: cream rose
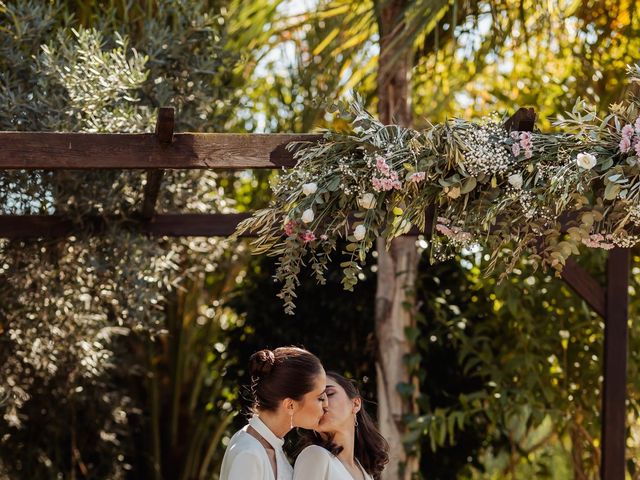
x: 308, y: 216
x: 367, y: 201
x: 586, y: 161
x: 309, y: 188
x: 516, y: 181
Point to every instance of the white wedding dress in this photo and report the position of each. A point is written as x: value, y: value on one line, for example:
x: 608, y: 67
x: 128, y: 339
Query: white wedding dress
x: 246, y: 458
x: 317, y: 463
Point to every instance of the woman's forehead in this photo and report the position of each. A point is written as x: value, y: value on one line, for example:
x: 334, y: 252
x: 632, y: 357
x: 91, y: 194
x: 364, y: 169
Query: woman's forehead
x: 331, y: 383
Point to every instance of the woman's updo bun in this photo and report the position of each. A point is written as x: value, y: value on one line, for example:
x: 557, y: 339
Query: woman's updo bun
x: 261, y: 363
x: 286, y: 372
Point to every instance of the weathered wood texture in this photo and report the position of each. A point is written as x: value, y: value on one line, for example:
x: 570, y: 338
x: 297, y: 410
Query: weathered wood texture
x: 82, y: 151
x: 614, y: 411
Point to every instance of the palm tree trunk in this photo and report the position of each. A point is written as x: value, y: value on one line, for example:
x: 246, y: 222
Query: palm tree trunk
x: 397, y: 268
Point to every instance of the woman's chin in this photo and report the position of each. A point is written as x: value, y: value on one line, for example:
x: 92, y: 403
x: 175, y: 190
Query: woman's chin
x: 323, y: 424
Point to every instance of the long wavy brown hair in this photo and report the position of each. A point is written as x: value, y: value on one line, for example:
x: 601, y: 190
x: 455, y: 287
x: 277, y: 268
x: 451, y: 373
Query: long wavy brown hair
x: 371, y: 449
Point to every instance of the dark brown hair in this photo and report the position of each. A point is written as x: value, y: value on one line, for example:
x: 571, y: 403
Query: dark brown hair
x: 371, y: 449
x: 286, y: 372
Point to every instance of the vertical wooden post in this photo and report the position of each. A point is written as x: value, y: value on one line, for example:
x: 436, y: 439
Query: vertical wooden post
x: 164, y: 133
x: 615, y: 366
x: 398, y: 266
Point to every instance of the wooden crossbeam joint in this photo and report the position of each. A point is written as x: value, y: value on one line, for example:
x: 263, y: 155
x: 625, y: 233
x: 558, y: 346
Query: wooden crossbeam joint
x: 164, y: 132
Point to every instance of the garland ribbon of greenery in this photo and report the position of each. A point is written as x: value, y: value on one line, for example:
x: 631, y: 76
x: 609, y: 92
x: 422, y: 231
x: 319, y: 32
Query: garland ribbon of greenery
x: 491, y: 187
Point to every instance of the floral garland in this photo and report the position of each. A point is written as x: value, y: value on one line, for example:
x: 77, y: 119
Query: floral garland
x: 490, y: 186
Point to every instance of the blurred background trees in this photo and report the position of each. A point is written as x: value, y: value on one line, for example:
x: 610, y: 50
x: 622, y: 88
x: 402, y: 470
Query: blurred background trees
x: 123, y: 356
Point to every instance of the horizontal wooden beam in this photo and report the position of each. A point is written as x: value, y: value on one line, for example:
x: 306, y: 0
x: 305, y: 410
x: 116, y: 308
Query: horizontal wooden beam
x: 82, y: 151
x: 171, y: 225
x: 30, y: 226
x: 195, y: 225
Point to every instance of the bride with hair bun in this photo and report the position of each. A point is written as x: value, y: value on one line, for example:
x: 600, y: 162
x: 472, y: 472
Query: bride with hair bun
x: 288, y: 388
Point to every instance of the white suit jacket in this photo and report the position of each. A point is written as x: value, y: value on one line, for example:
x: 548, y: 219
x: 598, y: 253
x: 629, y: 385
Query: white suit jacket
x: 246, y: 458
x: 317, y: 463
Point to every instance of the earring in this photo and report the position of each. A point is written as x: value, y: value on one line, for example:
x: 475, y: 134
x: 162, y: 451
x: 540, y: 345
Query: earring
x: 291, y: 420
x: 356, y: 422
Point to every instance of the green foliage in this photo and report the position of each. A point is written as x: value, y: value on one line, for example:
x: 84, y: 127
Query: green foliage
x: 518, y: 377
x: 490, y: 187
x: 90, y: 364
x: 526, y: 53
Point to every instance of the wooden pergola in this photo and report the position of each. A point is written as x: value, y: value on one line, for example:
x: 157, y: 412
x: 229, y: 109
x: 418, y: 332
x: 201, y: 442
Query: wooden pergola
x: 166, y: 150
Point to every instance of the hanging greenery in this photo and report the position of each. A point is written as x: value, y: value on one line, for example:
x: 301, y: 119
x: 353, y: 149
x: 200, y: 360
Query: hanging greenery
x: 493, y: 187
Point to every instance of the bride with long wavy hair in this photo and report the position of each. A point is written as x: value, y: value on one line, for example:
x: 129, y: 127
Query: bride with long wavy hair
x: 346, y: 444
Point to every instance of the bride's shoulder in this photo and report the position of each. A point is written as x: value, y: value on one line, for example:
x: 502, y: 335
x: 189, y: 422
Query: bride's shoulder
x: 242, y: 441
x: 314, y: 453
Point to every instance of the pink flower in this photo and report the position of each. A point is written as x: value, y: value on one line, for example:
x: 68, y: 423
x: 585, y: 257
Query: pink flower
x: 388, y: 179
x: 625, y: 144
x: 417, y: 177
x: 525, y: 143
x: 525, y: 137
x: 515, y: 135
x: 382, y: 166
x: 637, y: 125
x: 443, y: 229
x: 627, y: 131
x: 289, y: 228
x: 307, y: 236
x: 597, y: 240
x: 385, y: 184
x: 454, y: 233
x: 324, y: 237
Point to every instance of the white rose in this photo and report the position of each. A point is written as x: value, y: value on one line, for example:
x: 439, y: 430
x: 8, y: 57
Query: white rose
x: 454, y: 192
x: 367, y: 201
x: 309, y: 188
x: 308, y: 216
x: 586, y: 161
x: 515, y: 180
x: 359, y: 232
